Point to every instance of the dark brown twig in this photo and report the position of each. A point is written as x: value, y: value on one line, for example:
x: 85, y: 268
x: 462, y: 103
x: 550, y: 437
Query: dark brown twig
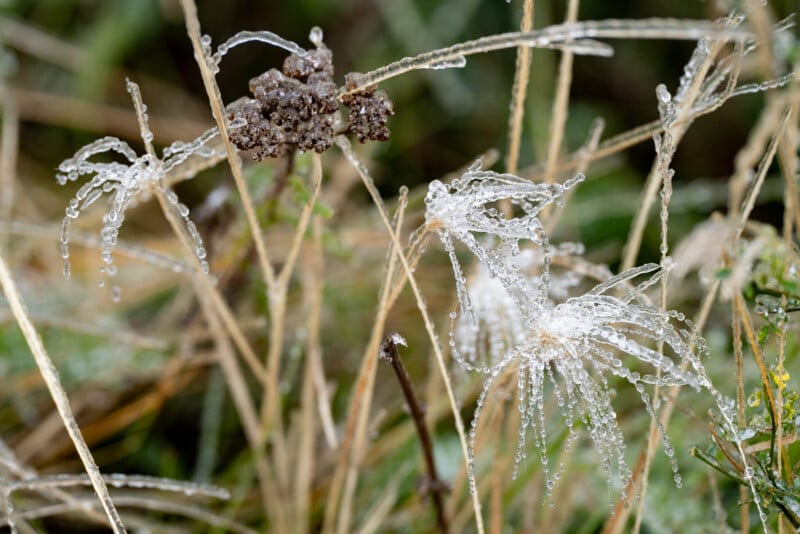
x: 433, y: 485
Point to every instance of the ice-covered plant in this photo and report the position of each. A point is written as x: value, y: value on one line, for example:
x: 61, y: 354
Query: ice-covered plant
x: 574, y: 345
x: 495, y: 323
x: 127, y: 182
x: 468, y: 210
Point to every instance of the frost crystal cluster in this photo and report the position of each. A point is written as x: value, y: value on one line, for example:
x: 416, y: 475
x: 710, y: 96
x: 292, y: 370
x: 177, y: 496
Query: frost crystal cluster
x: 514, y: 319
x: 126, y: 182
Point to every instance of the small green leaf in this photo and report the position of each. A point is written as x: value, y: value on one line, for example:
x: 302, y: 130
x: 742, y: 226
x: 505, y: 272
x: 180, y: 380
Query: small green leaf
x: 723, y: 273
x: 763, y: 333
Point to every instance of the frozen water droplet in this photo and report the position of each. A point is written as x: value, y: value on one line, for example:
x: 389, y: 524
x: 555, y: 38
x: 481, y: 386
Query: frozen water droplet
x: 238, y: 122
x: 315, y: 36
x: 663, y: 94
x: 748, y: 473
x: 452, y: 63
x: 116, y: 293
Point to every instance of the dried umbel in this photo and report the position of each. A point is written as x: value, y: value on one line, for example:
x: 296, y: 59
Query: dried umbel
x: 291, y: 110
x: 295, y: 108
x: 370, y: 109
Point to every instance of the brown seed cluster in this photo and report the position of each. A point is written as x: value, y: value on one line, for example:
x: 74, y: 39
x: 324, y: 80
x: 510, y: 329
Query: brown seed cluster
x: 370, y: 110
x: 294, y: 109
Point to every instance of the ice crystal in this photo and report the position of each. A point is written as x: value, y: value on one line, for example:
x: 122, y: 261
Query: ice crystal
x: 467, y: 211
x: 126, y: 182
x: 496, y: 324
x: 574, y: 345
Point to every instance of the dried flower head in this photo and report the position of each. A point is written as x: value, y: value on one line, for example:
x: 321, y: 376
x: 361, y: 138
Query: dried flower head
x: 295, y: 108
x: 370, y: 109
x: 292, y: 109
x: 496, y: 324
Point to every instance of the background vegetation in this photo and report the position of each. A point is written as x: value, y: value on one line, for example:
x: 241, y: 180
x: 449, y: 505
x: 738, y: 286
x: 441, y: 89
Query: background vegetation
x: 143, y: 374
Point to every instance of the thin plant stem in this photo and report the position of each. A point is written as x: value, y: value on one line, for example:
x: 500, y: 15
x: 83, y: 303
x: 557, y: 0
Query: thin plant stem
x: 787, y: 159
x: 519, y: 91
x: 434, y: 485
x: 752, y: 340
x: 50, y: 375
x: 225, y: 355
x: 736, y: 329
x: 355, y: 428
x: 560, y: 111
x: 761, y: 174
x: 496, y: 514
x: 748, y: 156
x: 314, y: 346
x: 344, y: 144
x: 272, y: 396
x: 557, y: 36
x: 218, y: 110
x: 312, y: 289
x: 9, y: 147
x: 665, y: 150
x: 684, y: 108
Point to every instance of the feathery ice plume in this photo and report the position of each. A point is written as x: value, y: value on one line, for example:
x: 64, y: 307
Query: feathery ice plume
x: 496, y: 324
x: 127, y: 182
x: 576, y: 344
x: 467, y: 211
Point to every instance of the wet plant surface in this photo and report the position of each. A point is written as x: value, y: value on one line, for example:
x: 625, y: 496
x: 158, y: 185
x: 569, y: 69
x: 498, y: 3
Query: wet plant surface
x: 192, y: 326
